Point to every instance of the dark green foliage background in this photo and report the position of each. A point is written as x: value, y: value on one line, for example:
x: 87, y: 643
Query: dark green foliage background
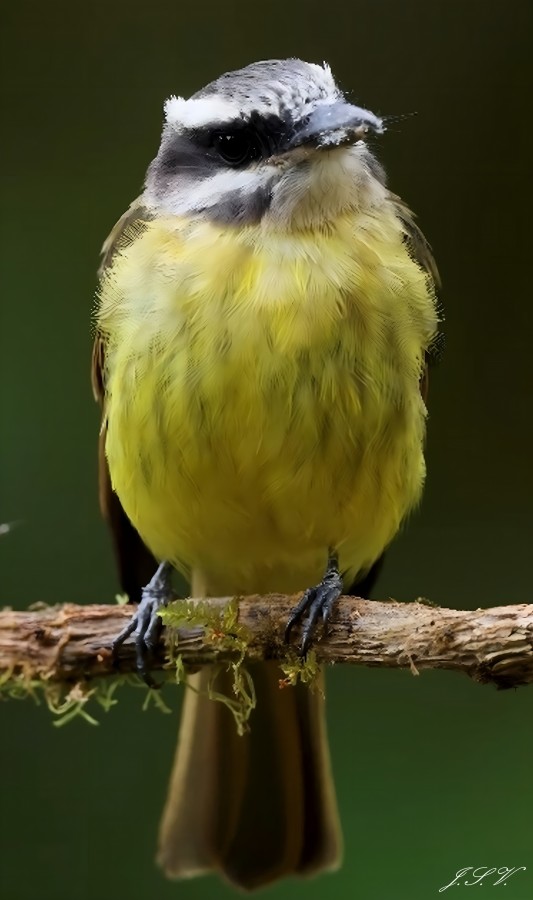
x: 434, y: 773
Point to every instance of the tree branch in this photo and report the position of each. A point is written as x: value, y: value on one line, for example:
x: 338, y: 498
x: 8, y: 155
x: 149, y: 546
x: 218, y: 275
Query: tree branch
x: 69, y: 643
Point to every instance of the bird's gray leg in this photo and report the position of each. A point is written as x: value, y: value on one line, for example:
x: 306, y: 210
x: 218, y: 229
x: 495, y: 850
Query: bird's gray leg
x: 146, y: 624
x: 316, y: 603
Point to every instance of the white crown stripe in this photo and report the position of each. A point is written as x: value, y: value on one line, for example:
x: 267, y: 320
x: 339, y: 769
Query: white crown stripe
x: 298, y: 97
x: 195, y: 113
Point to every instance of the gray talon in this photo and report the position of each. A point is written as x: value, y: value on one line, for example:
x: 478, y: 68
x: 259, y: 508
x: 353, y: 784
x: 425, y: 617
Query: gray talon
x: 146, y: 624
x: 316, y: 603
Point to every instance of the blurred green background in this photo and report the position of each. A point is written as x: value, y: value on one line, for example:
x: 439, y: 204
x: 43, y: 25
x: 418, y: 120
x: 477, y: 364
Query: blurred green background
x: 434, y: 773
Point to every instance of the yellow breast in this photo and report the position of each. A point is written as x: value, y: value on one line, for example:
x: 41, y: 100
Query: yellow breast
x: 262, y: 394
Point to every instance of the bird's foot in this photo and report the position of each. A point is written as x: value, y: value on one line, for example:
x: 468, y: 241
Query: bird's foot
x: 316, y: 603
x: 146, y: 623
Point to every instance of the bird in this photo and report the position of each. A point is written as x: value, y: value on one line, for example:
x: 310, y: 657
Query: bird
x: 266, y: 314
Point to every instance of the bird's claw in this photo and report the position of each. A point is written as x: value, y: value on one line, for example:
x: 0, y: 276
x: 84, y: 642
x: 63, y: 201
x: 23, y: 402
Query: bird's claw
x: 146, y: 624
x: 316, y: 603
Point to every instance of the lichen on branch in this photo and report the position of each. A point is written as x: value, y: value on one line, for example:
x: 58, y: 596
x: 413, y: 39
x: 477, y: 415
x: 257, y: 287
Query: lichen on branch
x: 71, y: 644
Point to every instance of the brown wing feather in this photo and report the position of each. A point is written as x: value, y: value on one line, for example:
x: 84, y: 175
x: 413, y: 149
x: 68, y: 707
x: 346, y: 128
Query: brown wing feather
x: 421, y: 251
x: 418, y: 245
x: 136, y: 565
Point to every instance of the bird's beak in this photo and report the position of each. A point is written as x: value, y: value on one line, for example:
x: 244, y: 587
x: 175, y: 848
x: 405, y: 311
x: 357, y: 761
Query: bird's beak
x: 334, y: 124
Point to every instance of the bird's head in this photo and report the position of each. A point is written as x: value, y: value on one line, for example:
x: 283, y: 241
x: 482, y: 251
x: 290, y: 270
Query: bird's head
x: 275, y: 142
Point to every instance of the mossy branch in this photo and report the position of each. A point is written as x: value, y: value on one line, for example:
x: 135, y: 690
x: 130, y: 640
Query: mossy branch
x: 69, y: 644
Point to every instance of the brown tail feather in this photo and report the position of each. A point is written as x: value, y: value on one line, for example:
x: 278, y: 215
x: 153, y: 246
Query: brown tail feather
x: 256, y: 807
x: 322, y: 845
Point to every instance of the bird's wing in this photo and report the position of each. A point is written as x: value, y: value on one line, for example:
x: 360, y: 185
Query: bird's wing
x: 136, y: 564
x: 420, y: 250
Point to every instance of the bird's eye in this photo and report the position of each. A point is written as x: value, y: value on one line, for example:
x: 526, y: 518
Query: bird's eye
x: 236, y: 148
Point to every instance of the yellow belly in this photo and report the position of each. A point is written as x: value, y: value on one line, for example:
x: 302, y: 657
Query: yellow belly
x: 262, y: 396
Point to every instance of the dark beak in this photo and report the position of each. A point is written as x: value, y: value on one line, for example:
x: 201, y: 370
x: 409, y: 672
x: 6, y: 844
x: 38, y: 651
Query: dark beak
x: 335, y: 124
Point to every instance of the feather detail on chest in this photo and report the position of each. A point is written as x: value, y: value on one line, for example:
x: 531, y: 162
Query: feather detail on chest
x: 251, y: 371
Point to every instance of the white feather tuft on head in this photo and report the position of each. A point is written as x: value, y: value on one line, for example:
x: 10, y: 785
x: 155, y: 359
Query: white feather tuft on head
x: 325, y: 77
x: 194, y: 113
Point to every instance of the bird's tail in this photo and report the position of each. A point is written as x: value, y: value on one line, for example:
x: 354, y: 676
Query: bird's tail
x: 254, y: 807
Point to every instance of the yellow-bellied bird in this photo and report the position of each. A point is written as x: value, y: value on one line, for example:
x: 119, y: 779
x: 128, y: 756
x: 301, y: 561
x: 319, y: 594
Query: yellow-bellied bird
x: 265, y: 317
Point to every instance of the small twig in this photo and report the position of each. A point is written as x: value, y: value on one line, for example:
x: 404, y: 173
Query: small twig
x: 69, y: 643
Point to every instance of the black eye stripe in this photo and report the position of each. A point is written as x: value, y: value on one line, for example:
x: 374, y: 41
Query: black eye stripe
x: 267, y: 133
x: 273, y: 129
x: 193, y: 150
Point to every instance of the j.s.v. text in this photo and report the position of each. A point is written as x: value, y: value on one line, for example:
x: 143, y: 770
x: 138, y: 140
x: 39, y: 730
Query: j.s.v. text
x: 470, y: 876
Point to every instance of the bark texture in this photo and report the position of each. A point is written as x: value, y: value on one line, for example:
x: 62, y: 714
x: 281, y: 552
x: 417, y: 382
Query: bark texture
x: 70, y: 643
